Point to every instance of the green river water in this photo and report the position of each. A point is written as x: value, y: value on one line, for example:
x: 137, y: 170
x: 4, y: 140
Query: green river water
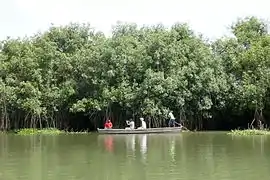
x: 186, y: 156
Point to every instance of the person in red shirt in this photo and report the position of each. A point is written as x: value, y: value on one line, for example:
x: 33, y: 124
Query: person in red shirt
x: 108, y: 124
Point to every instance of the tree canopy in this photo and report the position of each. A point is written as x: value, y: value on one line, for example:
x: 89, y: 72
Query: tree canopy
x: 75, y: 77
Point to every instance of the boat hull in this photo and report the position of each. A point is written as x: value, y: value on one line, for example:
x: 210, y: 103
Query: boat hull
x: 141, y: 131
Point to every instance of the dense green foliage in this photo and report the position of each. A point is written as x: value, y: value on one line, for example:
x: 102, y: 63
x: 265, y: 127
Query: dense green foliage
x: 75, y: 77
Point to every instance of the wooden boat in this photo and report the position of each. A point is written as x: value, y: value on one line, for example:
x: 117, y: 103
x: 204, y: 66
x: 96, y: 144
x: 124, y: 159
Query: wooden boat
x: 141, y: 131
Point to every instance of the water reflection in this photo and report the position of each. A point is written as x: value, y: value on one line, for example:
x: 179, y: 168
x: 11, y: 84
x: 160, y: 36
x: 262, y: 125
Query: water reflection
x: 143, y: 145
x: 133, y: 143
x: 136, y: 146
x: 108, y: 142
x: 130, y: 141
x: 202, y: 156
x: 256, y: 141
x: 172, y: 148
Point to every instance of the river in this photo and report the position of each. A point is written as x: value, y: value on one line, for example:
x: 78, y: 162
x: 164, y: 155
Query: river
x: 186, y: 156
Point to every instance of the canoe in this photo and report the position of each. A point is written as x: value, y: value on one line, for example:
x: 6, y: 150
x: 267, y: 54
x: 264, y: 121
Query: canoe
x: 141, y: 131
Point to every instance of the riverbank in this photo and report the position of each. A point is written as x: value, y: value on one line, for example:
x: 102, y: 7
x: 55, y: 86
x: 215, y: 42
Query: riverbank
x: 46, y: 131
x: 54, y: 131
x: 249, y: 132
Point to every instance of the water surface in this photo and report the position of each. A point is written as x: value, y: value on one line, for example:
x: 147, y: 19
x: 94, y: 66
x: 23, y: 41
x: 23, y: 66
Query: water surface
x: 187, y: 156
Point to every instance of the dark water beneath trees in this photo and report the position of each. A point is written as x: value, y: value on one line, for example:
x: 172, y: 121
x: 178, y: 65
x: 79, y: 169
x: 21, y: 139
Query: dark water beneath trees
x: 200, y: 156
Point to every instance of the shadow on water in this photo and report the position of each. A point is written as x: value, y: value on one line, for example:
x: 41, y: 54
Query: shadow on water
x: 192, y: 156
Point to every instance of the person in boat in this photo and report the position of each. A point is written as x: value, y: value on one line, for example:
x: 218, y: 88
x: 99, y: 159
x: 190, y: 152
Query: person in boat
x: 172, y: 121
x: 108, y: 124
x: 131, y: 124
x: 143, y: 124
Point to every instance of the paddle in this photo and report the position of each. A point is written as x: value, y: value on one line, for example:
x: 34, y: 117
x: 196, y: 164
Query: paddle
x: 182, y: 126
x: 185, y: 128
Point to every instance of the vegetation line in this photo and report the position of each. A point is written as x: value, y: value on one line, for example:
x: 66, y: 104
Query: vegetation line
x: 250, y: 132
x: 46, y: 131
x: 73, y: 77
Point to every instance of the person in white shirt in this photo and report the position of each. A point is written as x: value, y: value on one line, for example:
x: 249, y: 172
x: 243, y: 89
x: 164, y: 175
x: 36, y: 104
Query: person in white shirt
x: 131, y: 124
x: 143, y: 124
x: 172, y: 120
